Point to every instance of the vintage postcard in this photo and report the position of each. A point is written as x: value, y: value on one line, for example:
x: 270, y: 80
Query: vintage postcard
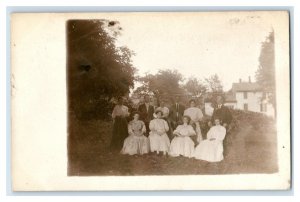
x: 150, y: 101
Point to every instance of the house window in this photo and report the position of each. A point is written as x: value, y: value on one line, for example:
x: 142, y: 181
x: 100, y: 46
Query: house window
x: 246, y: 107
x: 264, y: 95
x: 245, y: 95
x: 263, y: 107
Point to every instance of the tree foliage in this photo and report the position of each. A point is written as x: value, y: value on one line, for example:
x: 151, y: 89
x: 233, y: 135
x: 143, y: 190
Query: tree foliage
x: 166, y: 84
x: 97, y: 69
x: 169, y: 83
x: 214, y: 84
x: 195, y: 86
x: 265, y: 74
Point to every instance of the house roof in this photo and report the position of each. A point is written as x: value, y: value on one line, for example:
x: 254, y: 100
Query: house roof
x: 245, y: 86
x: 237, y: 87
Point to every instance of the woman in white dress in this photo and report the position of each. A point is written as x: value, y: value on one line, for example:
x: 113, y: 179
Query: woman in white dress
x: 165, y: 110
x: 136, y: 142
x: 182, y: 144
x: 211, y: 149
x: 196, y: 116
x: 159, y: 140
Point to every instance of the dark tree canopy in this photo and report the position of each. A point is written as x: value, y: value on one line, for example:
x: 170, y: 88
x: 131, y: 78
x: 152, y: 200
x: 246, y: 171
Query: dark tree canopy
x: 98, y: 70
x: 195, y: 86
x: 265, y: 74
x: 166, y: 84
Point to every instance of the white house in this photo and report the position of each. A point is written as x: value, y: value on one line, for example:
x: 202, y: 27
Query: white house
x: 250, y: 97
x: 245, y: 96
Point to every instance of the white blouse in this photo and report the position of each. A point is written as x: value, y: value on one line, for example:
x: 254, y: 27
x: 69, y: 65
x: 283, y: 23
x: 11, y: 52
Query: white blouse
x: 120, y: 110
x: 136, y: 128
x: 218, y: 132
x: 159, y: 126
x: 185, y: 130
x: 194, y: 113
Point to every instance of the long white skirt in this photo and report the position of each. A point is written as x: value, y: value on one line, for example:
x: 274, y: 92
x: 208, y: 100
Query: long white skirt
x: 135, y: 145
x: 182, y: 146
x: 211, y: 151
x: 159, y: 142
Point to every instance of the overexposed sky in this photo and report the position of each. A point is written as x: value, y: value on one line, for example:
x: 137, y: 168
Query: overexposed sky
x: 196, y: 44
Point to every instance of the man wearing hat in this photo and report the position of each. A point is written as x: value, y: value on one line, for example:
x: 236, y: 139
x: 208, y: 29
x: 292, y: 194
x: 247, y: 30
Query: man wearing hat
x: 222, y: 112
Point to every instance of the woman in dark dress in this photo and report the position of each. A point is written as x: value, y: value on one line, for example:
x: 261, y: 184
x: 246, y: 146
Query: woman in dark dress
x: 120, y: 125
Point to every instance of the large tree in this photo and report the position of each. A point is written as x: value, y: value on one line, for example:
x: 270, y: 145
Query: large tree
x: 214, y: 84
x: 166, y: 84
x: 265, y: 74
x: 98, y: 69
x: 195, y: 86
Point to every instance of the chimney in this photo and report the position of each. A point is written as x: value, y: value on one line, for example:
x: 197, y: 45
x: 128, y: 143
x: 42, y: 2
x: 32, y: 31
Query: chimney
x: 249, y: 79
x: 240, y: 80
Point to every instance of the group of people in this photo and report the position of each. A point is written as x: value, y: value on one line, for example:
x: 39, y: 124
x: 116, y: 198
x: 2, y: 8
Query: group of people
x: 174, y: 131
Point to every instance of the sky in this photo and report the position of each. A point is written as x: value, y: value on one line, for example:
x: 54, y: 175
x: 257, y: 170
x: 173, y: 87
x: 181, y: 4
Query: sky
x: 196, y: 44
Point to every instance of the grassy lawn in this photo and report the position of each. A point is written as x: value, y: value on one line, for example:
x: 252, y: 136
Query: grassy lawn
x: 251, y: 149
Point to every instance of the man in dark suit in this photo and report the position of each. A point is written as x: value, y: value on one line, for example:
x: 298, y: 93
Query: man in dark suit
x: 176, y: 113
x: 146, y: 112
x: 225, y: 116
x: 222, y: 112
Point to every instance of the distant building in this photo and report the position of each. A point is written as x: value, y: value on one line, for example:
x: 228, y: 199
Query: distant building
x: 249, y: 96
x: 246, y: 96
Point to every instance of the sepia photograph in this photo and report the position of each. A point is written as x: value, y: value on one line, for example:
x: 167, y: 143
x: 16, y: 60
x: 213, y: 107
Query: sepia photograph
x: 150, y: 101
x: 182, y: 94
